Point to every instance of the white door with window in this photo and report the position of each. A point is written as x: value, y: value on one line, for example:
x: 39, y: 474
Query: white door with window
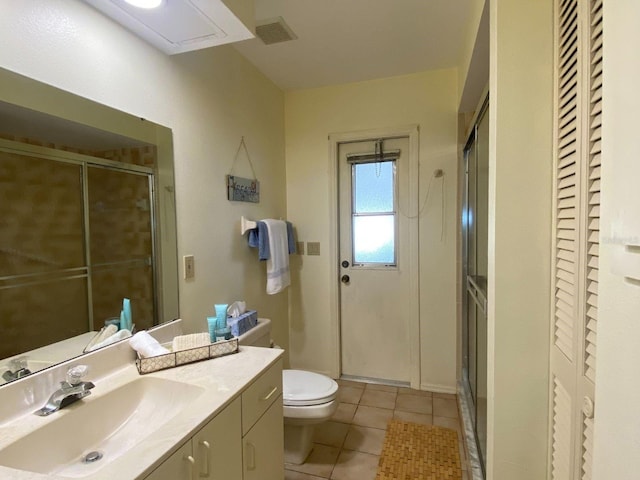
x: 377, y: 273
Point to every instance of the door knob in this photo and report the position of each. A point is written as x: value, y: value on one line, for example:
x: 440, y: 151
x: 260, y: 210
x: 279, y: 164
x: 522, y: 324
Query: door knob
x: 344, y: 279
x: 345, y: 264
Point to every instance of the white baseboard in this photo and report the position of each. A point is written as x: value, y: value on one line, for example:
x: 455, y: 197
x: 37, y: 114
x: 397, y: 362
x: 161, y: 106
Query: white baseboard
x: 437, y: 388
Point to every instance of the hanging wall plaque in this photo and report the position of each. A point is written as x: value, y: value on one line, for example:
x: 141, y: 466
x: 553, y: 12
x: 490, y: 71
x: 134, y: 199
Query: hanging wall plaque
x: 243, y: 189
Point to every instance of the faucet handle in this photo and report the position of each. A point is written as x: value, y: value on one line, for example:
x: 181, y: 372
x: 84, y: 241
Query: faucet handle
x: 18, y: 364
x: 76, y: 374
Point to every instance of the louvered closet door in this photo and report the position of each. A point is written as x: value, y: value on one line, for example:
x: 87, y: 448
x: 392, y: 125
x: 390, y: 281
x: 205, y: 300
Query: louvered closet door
x: 577, y: 203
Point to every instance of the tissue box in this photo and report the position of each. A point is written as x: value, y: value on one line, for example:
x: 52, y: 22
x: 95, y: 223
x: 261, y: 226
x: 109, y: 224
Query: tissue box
x: 243, y: 323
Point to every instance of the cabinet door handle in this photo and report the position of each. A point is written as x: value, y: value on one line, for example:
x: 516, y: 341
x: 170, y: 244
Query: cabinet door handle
x: 270, y: 394
x: 207, y: 456
x: 251, y: 456
x: 190, y: 461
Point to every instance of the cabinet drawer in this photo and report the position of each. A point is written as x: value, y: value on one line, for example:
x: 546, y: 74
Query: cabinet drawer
x: 260, y: 395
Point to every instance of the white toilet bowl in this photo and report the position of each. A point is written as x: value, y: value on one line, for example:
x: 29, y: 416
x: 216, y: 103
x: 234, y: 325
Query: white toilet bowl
x: 308, y: 399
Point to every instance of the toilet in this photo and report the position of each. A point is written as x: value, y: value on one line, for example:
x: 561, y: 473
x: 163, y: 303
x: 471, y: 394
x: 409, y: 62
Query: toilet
x: 308, y: 399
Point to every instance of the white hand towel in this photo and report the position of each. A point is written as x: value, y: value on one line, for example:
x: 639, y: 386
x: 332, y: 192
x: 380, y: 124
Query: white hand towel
x: 194, y: 340
x: 146, y: 345
x: 278, y: 276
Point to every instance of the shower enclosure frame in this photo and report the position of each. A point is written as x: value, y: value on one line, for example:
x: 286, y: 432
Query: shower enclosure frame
x: 474, y: 283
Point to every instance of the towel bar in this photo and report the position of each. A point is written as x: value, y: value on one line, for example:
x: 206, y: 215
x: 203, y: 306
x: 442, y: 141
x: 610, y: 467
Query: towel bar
x: 246, y: 225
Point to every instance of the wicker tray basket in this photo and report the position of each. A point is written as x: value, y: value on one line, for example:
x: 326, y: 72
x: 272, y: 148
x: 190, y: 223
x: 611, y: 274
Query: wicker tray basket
x: 184, y: 357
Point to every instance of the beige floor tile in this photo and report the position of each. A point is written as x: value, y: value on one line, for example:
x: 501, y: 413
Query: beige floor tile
x: 355, y: 466
x: 414, y: 403
x: 364, y: 439
x: 445, y: 407
x: 292, y: 475
x: 420, y: 418
x: 373, y: 417
x: 411, y: 391
x: 350, y: 383
x: 450, y: 396
x: 378, y: 398
x: 349, y: 394
x: 348, y: 446
x: 331, y: 433
x: 382, y: 388
x: 319, y: 463
x: 447, y: 422
x: 344, y: 413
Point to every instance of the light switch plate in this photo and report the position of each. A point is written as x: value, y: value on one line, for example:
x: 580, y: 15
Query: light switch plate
x: 189, y: 267
x: 313, y: 248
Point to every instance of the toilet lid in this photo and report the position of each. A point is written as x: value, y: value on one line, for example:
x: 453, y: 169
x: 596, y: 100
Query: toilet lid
x: 307, y: 388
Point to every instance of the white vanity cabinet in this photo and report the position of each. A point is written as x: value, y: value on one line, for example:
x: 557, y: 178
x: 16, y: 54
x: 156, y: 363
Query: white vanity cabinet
x: 263, y: 427
x: 263, y: 446
x: 215, y: 452
x: 242, y: 442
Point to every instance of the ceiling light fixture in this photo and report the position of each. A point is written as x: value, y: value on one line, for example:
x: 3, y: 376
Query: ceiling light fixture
x: 145, y: 3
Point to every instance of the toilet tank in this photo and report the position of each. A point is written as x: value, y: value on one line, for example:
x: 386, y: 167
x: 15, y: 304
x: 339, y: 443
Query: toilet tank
x: 258, y: 336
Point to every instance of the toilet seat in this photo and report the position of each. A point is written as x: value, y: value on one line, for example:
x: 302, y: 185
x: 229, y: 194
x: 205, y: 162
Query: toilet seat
x: 301, y: 388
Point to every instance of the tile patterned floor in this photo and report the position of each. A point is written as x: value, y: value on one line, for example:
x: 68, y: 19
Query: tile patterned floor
x: 348, y: 446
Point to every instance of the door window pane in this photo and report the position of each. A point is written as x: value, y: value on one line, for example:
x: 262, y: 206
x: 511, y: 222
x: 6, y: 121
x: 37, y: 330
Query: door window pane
x: 373, y: 212
x: 373, y: 185
x: 374, y: 239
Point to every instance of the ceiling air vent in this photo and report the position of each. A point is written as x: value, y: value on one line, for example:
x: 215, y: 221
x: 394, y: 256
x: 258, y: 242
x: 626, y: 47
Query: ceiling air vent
x: 274, y: 30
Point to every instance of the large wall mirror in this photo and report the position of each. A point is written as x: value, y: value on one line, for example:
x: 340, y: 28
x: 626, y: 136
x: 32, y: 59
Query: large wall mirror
x: 87, y: 219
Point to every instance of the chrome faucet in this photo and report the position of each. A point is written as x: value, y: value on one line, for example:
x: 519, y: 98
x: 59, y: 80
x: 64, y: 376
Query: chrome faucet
x: 71, y: 390
x: 17, y: 369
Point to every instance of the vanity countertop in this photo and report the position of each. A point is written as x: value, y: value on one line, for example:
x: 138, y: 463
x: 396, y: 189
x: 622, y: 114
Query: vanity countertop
x: 222, y: 379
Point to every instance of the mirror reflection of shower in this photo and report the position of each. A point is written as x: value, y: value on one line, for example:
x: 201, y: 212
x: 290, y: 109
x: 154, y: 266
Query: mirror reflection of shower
x: 76, y: 239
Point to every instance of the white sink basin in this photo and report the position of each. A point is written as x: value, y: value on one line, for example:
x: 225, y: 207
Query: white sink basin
x: 110, y: 424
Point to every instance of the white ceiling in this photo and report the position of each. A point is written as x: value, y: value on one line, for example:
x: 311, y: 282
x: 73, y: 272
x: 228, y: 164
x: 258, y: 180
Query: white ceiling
x: 342, y: 41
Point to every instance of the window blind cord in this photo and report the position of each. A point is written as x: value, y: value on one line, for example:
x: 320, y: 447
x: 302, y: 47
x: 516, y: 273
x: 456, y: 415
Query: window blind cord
x: 436, y: 174
x: 443, y: 206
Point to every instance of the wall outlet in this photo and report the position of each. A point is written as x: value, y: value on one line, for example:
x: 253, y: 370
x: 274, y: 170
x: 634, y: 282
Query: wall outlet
x: 189, y: 267
x: 313, y: 248
x: 300, y: 248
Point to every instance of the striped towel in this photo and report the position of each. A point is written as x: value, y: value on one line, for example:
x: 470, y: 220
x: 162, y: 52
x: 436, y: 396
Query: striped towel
x: 278, y: 276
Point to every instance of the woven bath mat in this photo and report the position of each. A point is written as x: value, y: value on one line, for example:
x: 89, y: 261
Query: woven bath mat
x: 419, y: 452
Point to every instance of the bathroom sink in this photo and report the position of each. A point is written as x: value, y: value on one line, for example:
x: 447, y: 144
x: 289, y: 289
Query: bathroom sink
x: 104, y: 426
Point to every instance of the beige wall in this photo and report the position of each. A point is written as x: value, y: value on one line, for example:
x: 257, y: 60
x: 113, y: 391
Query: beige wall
x: 519, y: 238
x: 617, y: 422
x: 428, y: 99
x: 473, y: 68
x: 209, y: 99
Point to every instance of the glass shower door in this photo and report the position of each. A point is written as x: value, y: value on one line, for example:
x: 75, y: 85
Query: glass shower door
x: 43, y: 269
x: 121, y: 246
x: 475, y: 247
